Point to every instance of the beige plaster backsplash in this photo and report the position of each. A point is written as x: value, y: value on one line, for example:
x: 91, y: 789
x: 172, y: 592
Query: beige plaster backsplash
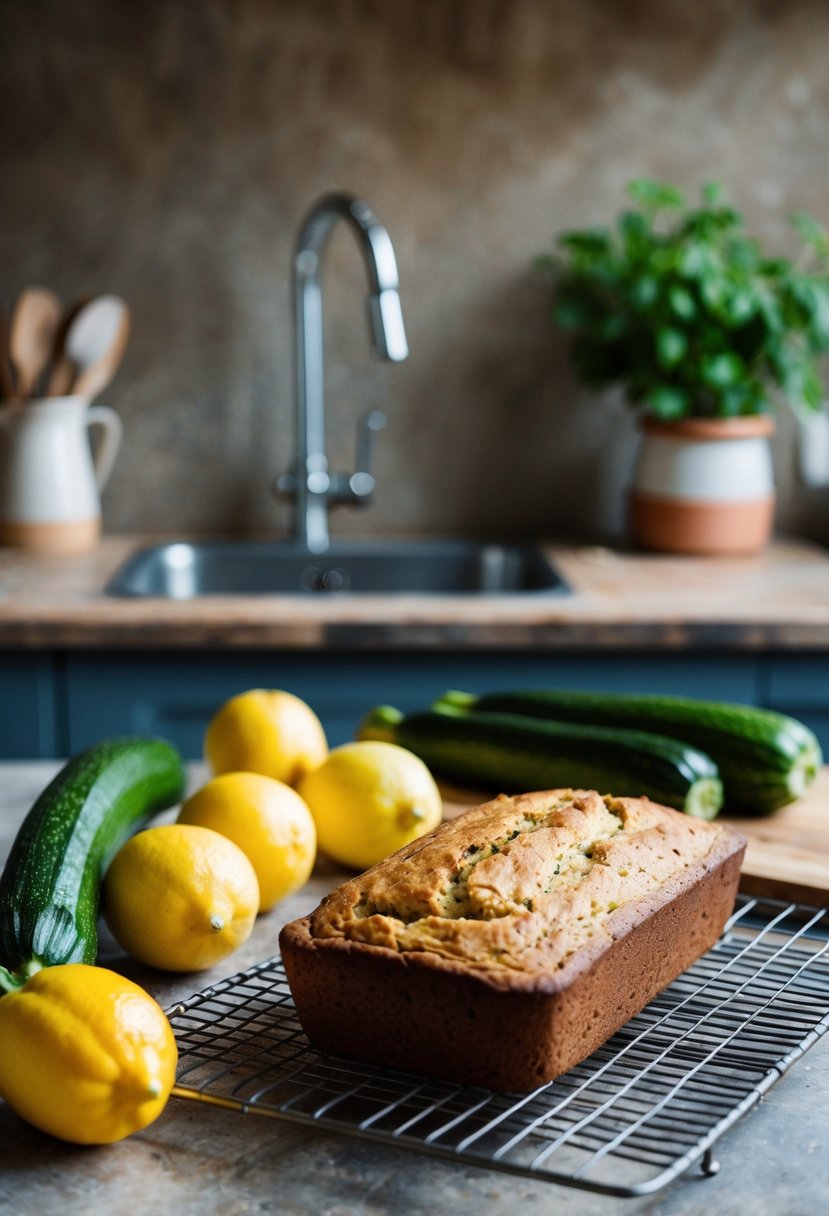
x: 168, y: 151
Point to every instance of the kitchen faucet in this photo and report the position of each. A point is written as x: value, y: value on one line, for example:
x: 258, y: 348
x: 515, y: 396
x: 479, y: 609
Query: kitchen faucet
x: 311, y: 487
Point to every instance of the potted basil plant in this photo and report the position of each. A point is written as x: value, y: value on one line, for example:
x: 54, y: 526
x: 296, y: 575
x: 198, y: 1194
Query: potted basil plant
x: 706, y: 334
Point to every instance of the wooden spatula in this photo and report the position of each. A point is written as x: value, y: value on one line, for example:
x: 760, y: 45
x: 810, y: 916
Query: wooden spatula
x: 34, y: 324
x: 61, y: 371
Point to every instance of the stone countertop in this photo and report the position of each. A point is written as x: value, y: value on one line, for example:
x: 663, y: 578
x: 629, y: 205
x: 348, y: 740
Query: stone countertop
x: 204, y: 1160
x: 776, y: 600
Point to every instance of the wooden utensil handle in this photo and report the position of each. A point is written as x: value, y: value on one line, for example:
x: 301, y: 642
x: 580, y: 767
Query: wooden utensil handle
x: 61, y: 377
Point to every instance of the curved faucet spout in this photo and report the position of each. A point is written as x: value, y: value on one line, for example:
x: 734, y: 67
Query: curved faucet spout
x: 313, y: 489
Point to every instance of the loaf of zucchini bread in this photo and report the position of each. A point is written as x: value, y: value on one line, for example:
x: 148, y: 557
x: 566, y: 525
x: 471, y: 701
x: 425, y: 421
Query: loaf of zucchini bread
x: 509, y: 943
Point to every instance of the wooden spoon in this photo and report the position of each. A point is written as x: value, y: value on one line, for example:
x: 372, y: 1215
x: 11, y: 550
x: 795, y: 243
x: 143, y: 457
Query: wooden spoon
x: 95, y: 342
x: 34, y: 324
x: 62, y: 372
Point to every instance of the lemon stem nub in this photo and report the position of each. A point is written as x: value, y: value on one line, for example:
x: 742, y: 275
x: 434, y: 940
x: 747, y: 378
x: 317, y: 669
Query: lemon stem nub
x: 154, y: 1089
x: 409, y: 816
x: 217, y: 923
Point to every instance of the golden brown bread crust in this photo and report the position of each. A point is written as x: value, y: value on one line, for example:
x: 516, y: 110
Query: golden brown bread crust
x: 509, y: 943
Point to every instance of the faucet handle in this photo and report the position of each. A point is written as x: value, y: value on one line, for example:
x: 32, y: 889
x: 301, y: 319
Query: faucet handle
x: 369, y: 424
x: 357, y: 487
x: 361, y: 482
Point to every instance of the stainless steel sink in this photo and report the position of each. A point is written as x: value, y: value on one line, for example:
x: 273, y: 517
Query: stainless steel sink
x: 182, y: 570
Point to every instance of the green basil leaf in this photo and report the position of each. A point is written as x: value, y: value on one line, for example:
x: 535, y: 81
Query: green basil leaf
x: 668, y: 402
x: 655, y: 195
x: 813, y: 297
x: 682, y: 303
x: 591, y: 241
x: 644, y: 291
x: 713, y: 288
x: 694, y: 259
x: 671, y: 345
x: 811, y: 232
x: 723, y: 370
x: 740, y: 306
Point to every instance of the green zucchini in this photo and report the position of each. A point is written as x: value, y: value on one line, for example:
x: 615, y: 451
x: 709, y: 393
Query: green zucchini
x: 765, y: 759
x: 517, y: 754
x: 50, y: 887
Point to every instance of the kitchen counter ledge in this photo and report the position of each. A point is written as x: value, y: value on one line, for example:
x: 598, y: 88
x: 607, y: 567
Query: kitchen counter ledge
x: 778, y: 600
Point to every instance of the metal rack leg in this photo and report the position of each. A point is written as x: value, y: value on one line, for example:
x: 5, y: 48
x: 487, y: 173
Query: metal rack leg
x: 710, y: 1165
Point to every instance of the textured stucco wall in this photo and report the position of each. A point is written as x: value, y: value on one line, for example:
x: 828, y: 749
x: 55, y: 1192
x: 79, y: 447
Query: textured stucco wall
x: 167, y: 151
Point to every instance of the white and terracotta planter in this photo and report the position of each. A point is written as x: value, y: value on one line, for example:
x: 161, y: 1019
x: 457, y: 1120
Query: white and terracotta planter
x: 704, y: 486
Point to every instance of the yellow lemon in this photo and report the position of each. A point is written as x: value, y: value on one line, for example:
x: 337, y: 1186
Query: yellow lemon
x: 180, y: 897
x: 369, y: 799
x: 265, y: 731
x: 267, y: 820
x: 87, y: 1055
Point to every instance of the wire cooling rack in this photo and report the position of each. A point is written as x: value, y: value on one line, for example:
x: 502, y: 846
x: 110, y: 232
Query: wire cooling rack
x: 627, y: 1121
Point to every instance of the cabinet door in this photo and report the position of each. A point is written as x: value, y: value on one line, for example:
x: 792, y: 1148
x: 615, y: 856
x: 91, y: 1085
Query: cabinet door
x: 174, y: 695
x: 27, y: 707
x: 799, y: 685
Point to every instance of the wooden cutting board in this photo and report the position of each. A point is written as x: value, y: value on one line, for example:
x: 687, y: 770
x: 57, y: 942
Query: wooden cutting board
x: 788, y: 852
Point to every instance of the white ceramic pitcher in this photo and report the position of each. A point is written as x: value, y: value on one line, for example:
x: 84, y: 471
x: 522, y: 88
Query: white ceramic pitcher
x: 50, y: 482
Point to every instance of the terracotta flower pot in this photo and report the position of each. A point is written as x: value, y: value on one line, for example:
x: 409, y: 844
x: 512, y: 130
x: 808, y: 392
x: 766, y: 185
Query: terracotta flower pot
x: 704, y: 485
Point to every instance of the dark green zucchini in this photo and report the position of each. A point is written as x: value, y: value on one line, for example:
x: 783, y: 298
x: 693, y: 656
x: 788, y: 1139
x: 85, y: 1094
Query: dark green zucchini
x: 50, y: 887
x: 514, y: 755
x: 765, y: 759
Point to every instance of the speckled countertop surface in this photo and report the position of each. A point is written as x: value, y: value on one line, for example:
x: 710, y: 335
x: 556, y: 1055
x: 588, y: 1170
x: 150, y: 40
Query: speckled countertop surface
x: 778, y: 600
x: 200, y: 1160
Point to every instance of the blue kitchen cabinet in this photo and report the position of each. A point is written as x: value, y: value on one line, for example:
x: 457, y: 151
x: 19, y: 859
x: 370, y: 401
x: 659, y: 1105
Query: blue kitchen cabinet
x: 799, y: 685
x: 174, y: 694
x: 29, y: 713
x: 56, y: 703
